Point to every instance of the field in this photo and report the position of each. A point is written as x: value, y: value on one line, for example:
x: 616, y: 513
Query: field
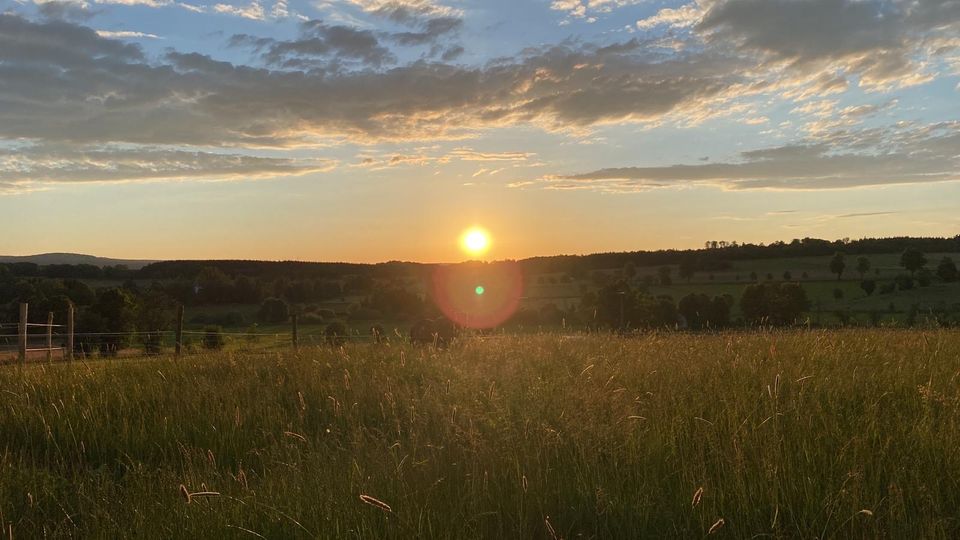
x: 840, y: 434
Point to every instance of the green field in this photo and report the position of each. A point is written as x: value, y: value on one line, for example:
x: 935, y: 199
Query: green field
x: 839, y: 434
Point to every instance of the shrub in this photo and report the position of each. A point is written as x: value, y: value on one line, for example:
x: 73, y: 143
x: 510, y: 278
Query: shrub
x: 213, y: 338
x: 335, y: 333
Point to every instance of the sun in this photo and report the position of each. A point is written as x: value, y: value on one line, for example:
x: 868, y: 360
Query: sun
x: 475, y: 241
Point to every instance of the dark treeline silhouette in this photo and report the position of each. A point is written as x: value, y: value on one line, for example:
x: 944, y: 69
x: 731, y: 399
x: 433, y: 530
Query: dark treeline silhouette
x: 700, y: 260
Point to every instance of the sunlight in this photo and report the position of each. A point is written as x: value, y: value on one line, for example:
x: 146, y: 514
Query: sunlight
x: 475, y: 241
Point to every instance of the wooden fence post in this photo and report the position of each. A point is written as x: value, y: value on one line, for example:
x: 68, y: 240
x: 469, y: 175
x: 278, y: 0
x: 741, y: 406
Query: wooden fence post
x: 179, y: 333
x: 296, y: 337
x: 69, y: 351
x: 49, y: 337
x: 22, y: 334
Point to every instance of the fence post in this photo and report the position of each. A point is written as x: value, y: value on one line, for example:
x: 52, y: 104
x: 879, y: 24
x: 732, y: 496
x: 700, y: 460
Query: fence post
x: 22, y: 334
x: 49, y: 337
x: 179, y: 333
x: 296, y: 337
x: 69, y: 351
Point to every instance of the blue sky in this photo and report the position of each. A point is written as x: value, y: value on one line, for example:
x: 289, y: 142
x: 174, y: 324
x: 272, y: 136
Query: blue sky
x: 372, y: 130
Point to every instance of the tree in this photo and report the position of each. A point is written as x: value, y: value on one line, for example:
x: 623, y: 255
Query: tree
x: 618, y: 306
x: 913, y: 259
x: 947, y: 270
x: 753, y: 276
x: 774, y: 303
x: 701, y: 311
x: 838, y: 265
x: 664, y: 274
x: 868, y: 286
x: 630, y: 270
x: 863, y: 266
x: 838, y: 294
x: 787, y: 276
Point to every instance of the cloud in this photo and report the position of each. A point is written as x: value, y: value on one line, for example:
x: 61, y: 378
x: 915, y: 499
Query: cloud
x: 68, y: 84
x: 32, y: 165
x: 588, y: 8
x: 865, y: 214
x: 430, y: 31
x: 253, y: 10
x: 67, y: 11
x: 422, y: 157
x: 406, y: 11
x: 882, y: 41
x: 126, y: 34
x: 681, y: 17
x: 317, y: 45
x: 846, y: 160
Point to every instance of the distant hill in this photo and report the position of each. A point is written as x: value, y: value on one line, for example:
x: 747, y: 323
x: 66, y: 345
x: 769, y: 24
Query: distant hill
x: 73, y: 258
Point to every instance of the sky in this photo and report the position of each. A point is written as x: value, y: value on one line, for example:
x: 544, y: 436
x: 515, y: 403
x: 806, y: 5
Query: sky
x: 375, y: 130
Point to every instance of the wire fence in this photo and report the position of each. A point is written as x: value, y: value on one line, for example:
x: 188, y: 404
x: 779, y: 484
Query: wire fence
x: 31, y: 341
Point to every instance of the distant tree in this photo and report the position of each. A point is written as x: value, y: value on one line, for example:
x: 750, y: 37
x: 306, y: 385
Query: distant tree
x: 924, y: 277
x: 868, y: 286
x: 701, y: 311
x: 773, y: 303
x: 787, y: 276
x: 688, y: 267
x: 769, y: 276
x: 618, y: 306
x: 838, y: 265
x: 863, y: 266
x: 664, y: 274
x: 947, y: 270
x: 804, y: 276
x: 630, y: 270
x: 838, y: 294
x: 754, y: 276
x: 912, y: 260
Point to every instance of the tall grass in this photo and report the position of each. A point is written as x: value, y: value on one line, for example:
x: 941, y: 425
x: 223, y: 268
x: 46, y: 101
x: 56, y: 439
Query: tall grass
x: 840, y: 434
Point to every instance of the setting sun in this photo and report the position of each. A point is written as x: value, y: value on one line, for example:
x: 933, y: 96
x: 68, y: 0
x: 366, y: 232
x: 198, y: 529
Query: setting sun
x: 475, y: 241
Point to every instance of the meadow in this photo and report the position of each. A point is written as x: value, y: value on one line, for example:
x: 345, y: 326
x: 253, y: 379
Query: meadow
x: 781, y: 434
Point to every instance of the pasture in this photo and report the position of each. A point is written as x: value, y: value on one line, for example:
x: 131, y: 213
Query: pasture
x: 781, y: 434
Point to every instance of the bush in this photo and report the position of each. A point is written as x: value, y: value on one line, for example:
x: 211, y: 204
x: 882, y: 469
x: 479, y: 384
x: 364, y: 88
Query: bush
x: 213, y: 338
x: 335, y: 333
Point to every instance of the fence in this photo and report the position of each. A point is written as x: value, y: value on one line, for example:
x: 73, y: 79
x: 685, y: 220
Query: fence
x: 64, y: 341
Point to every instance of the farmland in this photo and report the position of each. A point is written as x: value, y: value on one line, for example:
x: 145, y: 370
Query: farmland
x: 840, y: 433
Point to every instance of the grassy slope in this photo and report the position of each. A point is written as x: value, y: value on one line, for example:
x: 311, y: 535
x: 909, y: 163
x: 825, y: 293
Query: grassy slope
x: 788, y: 434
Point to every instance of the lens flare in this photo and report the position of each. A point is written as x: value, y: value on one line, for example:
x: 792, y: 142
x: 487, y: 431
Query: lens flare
x: 475, y: 241
x: 477, y: 295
